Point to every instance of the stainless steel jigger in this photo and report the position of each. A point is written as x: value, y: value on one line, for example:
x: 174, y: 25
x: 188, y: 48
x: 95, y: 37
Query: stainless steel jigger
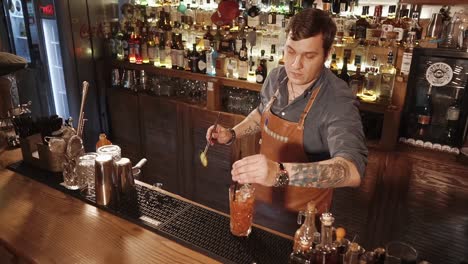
x: 105, y: 188
x: 124, y: 175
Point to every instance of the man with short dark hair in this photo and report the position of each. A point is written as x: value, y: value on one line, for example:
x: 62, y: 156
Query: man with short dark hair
x: 312, y: 137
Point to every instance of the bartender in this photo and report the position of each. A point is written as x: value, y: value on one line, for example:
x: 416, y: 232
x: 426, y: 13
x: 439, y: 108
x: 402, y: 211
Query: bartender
x: 311, y: 132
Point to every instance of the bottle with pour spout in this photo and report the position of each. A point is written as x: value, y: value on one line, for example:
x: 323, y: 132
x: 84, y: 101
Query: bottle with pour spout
x: 306, y: 237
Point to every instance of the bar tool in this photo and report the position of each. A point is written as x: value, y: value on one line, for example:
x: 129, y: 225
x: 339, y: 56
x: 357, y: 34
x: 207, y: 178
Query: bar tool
x: 105, y: 188
x: 203, y: 157
x: 124, y: 176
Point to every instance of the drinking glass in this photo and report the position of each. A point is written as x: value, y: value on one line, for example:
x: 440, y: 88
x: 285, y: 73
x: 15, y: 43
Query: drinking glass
x: 85, y: 172
x: 241, y: 207
x: 399, y: 252
x: 112, y: 150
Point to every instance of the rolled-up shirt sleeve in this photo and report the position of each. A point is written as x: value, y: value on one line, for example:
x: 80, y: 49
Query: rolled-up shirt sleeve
x: 344, y: 132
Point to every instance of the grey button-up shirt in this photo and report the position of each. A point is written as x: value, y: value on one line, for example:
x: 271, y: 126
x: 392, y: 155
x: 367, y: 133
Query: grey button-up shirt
x: 333, y: 125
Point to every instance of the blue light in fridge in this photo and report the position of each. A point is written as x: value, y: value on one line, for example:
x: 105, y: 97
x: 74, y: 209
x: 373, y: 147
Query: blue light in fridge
x: 54, y: 59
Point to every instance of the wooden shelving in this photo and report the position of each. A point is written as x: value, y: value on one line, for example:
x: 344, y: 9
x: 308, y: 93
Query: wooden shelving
x: 391, y: 111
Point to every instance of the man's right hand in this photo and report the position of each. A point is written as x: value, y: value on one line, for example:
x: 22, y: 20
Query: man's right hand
x: 221, y: 135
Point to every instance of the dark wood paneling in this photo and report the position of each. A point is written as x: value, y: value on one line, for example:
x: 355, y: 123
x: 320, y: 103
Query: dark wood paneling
x: 161, y: 132
x: 208, y: 185
x: 412, y: 195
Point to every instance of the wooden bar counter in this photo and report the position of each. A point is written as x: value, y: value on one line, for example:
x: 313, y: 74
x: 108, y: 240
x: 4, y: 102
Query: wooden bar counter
x: 39, y: 224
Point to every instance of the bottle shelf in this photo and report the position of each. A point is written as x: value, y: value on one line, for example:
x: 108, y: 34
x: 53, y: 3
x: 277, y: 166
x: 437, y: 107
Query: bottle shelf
x: 390, y: 111
x: 222, y: 81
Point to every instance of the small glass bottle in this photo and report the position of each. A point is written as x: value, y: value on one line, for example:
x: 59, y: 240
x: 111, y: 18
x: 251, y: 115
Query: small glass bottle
x: 341, y: 244
x: 326, y: 250
x: 452, y: 116
x: 344, y: 75
x: 424, y: 117
x: 334, y: 65
x: 304, y: 238
x: 387, y: 80
x: 103, y: 141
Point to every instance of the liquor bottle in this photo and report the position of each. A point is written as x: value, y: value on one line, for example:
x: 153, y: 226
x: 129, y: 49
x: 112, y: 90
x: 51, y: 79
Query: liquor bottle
x: 125, y: 44
x: 137, y: 47
x: 362, y: 24
x: 389, y: 23
x: 357, y: 80
x: 180, y: 53
x: 151, y: 48
x: 202, y: 62
x: 360, y: 53
x: 144, y: 46
x: 415, y: 27
x: 400, y: 27
x: 372, y: 83
x: 261, y: 71
x: 103, y: 141
x: 217, y: 39
x: 326, y: 251
x: 387, y: 74
x: 174, y: 51
x: 211, y: 56
x: 424, y: 117
x: 373, y: 31
x: 344, y: 75
x: 207, y: 38
x: 326, y: 6
x: 119, y: 46
x: 194, y: 57
x: 166, y: 26
x: 408, y: 53
x: 341, y: 244
x: 243, y: 61
x: 132, y: 48
x: 304, y: 238
x: 298, y: 6
x: 334, y: 65
x: 162, y: 51
x: 452, y: 116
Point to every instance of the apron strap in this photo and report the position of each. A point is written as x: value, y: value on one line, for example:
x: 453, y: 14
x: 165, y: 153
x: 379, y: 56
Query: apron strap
x: 272, y: 100
x: 308, y: 106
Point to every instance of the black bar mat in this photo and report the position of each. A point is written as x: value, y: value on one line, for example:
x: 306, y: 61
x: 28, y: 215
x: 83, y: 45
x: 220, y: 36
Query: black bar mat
x: 193, y: 226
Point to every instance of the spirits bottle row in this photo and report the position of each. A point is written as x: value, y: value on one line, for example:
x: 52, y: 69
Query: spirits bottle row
x: 331, y: 245
x: 441, y: 132
x: 372, y: 83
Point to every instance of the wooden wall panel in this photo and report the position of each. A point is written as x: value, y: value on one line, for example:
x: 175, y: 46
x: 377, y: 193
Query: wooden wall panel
x: 160, y: 133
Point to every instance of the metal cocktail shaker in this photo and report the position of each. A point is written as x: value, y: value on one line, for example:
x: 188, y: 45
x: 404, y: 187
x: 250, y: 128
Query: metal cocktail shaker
x: 124, y: 176
x: 106, y: 193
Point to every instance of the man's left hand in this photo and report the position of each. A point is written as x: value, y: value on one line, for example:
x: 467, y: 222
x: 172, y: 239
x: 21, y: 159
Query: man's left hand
x: 255, y: 169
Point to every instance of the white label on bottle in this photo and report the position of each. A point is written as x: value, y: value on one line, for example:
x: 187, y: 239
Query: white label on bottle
x: 406, y: 63
x: 243, y: 69
x: 238, y: 45
x: 453, y: 113
x: 253, y: 21
x: 201, y: 65
x: 400, y: 32
x: 259, y: 78
x: 386, y: 28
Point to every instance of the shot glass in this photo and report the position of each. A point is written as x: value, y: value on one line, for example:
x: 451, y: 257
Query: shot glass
x: 241, y: 205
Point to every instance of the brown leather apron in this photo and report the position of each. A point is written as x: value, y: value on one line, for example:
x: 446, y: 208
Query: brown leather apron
x: 283, y: 141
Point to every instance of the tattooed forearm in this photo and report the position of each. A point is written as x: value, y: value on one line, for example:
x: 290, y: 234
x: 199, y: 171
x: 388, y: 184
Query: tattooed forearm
x: 319, y: 175
x: 252, y: 129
